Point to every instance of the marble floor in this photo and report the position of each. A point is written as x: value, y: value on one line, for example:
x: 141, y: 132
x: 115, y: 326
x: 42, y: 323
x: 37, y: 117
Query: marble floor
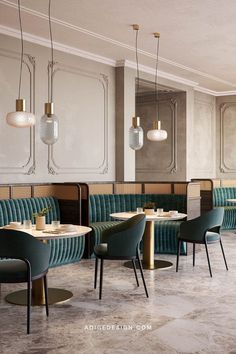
x: 187, y: 312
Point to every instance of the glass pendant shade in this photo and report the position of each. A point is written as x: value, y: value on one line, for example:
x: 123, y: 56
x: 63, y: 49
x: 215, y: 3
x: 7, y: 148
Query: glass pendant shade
x: 49, y: 127
x: 20, y: 118
x: 136, y: 135
x: 157, y: 134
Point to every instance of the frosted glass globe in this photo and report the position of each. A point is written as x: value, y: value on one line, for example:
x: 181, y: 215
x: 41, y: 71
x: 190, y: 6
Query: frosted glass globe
x: 157, y: 135
x: 135, y: 138
x: 49, y: 129
x: 20, y: 119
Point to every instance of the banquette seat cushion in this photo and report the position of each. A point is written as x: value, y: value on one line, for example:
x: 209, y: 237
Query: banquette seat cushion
x: 63, y: 251
x: 102, y: 205
x: 220, y: 196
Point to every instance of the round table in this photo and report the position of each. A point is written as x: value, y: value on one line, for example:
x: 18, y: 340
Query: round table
x: 148, y: 239
x: 55, y: 295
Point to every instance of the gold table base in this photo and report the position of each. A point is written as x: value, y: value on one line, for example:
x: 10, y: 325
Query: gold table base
x: 54, y: 296
x: 158, y: 264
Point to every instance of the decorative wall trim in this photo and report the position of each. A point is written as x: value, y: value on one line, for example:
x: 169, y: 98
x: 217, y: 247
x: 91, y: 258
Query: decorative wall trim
x: 27, y: 168
x: 54, y: 166
x: 211, y: 108
x: 223, y: 166
x: 172, y: 168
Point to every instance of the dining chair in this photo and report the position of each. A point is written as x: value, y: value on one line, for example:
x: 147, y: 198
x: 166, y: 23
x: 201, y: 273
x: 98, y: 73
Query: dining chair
x: 121, y: 242
x: 203, y: 230
x: 23, y: 259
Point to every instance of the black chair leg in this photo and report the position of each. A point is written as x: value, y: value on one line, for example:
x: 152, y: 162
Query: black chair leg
x: 193, y: 254
x: 208, y: 259
x: 28, y: 305
x: 96, y: 273
x: 101, y: 279
x: 135, y: 271
x: 141, y: 271
x: 222, y: 249
x: 178, y: 252
x: 46, y: 294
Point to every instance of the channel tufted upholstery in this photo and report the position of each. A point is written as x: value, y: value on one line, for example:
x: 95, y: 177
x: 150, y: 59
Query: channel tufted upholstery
x: 220, y: 195
x: 63, y: 251
x: 102, y: 205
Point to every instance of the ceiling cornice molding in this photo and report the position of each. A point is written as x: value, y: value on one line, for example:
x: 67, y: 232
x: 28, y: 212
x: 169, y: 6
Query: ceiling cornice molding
x: 114, y: 42
x: 58, y: 46
x: 149, y: 70
x: 214, y: 93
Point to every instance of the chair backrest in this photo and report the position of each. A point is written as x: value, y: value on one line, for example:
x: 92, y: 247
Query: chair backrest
x: 123, y: 239
x: 196, y: 229
x: 20, y: 245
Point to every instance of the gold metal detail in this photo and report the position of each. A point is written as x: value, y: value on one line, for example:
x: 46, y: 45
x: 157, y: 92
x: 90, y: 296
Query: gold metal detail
x: 136, y: 122
x: 156, y: 34
x: 49, y: 108
x: 135, y: 27
x: 20, y: 105
x: 156, y: 125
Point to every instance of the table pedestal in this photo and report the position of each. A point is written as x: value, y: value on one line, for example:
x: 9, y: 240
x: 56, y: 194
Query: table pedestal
x: 148, y: 261
x: 38, y: 298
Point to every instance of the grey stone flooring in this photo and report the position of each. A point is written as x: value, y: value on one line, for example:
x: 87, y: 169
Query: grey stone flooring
x: 187, y: 312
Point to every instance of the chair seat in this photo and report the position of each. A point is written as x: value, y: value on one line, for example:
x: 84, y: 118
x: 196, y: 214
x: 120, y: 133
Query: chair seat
x: 101, y: 250
x: 212, y: 237
x: 12, y: 270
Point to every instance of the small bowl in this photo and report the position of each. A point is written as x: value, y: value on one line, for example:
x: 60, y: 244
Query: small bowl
x: 67, y: 227
x: 173, y: 212
x: 15, y: 224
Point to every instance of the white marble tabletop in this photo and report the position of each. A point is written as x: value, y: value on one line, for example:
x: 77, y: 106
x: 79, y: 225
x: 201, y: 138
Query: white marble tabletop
x: 153, y: 217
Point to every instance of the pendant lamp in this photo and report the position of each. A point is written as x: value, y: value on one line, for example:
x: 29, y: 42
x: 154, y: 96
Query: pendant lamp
x: 135, y: 131
x: 20, y: 118
x: 156, y: 133
x: 49, y: 127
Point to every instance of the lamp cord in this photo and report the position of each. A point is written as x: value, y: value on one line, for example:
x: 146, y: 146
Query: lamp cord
x: 22, y: 50
x: 137, y: 63
x: 156, y: 83
x: 52, y: 58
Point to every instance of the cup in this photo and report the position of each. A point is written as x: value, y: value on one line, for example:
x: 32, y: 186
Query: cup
x: 159, y: 212
x: 139, y: 210
x: 173, y: 212
x: 55, y: 224
x: 27, y: 224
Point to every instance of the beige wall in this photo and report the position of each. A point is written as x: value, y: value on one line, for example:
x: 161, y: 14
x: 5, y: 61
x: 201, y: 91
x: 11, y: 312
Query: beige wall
x: 84, y: 98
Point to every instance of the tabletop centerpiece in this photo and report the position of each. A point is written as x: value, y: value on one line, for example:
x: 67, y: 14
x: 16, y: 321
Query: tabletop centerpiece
x: 149, y: 208
x: 40, y: 217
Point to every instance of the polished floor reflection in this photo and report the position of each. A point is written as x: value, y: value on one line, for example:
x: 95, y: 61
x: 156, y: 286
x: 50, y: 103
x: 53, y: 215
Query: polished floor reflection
x: 187, y: 312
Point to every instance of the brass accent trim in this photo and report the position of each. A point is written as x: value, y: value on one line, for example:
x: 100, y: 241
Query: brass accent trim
x: 20, y: 105
x: 156, y: 34
x: 49, y: 108
x: 136, y: 122
x: 135, y: 27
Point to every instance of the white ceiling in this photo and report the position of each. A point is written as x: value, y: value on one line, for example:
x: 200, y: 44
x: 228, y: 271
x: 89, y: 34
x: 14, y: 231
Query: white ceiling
x: 197, y: 45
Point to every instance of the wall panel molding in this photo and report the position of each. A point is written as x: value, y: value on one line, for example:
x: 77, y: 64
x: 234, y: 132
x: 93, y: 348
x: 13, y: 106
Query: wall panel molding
x: 100, y: 166
x: 26, y: 163
x: 227, y: 166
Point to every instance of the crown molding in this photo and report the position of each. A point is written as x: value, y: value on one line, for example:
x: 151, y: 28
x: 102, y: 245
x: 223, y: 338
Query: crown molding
x: 214, y: 93
x: 58, y: 46
x: 163, y: 74
x: 114, y: 42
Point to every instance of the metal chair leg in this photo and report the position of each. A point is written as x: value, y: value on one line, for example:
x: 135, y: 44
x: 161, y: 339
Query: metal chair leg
x: 208, y: 259
x: 29, y: 295
x: 101, y: 279
x: 135, y: 271
x: 222, y: 249
x: 46, y: 294
x: 96, y: 273
x: 193, y: 254
x: 178, y: 252
x: 141, y: 271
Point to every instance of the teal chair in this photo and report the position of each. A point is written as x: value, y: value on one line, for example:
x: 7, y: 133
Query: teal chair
x: 203, y: 230
x: 24, y: 259
x: 121, y: 242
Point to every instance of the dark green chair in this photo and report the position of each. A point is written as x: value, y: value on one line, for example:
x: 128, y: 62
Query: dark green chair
x: 24, y: 259
x: 121, y: 242
x: 203, y: 230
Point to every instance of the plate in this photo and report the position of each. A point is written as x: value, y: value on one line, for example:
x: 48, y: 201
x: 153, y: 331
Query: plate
x: 13, y: 227
x: 67, y: 227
